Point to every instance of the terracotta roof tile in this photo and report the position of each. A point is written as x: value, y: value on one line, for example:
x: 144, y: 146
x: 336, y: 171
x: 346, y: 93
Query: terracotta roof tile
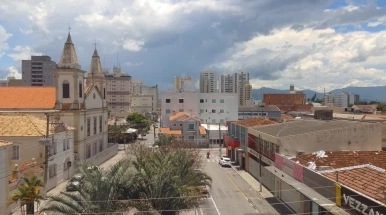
x: 183, y: 117
x: 202, y: 130
x: 22, y: 125
x: 12, y: 180
x: 252, y: 122
x: 170, y: 132
x: 364, y: 180
x: 286, y: 117
x: 27, y: 97
x: 5, y: 143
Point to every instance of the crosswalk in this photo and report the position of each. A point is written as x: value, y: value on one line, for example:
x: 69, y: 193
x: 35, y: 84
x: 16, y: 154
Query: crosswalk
x: 212, y: 160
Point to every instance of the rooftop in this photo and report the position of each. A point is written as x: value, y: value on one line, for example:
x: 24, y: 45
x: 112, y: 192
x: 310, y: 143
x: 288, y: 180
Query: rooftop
x: 341, y: 159
x: 168, y: 131
x: 258, y: 108
x: 27, y: 97
x: 367, y: 181
x: 252, y: 122
x: 182, y: 116
x: 5, y: 143
x: 202, y: 130
x: 214, y: 127
x: 22, y: 125
x: 305, y: 126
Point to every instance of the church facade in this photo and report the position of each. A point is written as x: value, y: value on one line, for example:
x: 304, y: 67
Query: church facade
x: 83, y: 107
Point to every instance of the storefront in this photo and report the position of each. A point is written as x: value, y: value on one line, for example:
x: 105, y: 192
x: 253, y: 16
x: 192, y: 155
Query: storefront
x: 356, y: 203
x: 231, y: 146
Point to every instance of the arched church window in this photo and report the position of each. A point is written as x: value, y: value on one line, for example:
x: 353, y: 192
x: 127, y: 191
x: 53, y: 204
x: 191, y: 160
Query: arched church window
x: 80, y: 89
x: 66, y: 89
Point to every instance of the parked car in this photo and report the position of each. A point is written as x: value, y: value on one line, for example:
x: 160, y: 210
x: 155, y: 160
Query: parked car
x: 225, y: 161
x: 75, y: 182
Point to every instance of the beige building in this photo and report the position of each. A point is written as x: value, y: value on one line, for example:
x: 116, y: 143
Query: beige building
x: 183, y: 84
x: 26, y: 157
x: 142, y: 104
x: 245, y: 95
x: 208, y: 82
x: 308, y: 136
x: 237, y: 83
x: 119, y: 90
x: 11, y: 81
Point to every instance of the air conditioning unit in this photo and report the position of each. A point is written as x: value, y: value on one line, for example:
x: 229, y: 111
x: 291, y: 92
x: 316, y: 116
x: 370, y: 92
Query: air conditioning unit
x: 300, y: 153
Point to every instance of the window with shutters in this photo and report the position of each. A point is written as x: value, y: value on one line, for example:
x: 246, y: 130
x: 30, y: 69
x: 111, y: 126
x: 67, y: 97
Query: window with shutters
x: 88, y: 126
x: 15, y: 152
x: 95, y: 125
x: 100, y: 124
x: 66, y: 89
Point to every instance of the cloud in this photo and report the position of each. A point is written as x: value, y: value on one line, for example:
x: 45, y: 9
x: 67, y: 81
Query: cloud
x: 11, y: 71
x: 133, y: 64
x: 4, y: 36
x: 23, y: 53
x: 133, y: 45
x: 307, y: 56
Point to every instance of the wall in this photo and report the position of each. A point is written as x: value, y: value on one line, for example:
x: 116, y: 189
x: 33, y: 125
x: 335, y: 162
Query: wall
x: 189, y: 106
x: 61, y: 158
x: 285, y: 102
x: 365, y: 137
x: 229, y: 107
x: 92, y: 102
x: 3, y: 179
x: 383, y: 136
x: 319, y: 183
x: 106, y: 154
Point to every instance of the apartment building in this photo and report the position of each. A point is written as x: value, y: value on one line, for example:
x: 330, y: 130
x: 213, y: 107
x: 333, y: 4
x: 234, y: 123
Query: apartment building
x: 343, y: 99
x: 38, y: 71
x: 136, y: 87
x: 183, y: 84
x: 151, y: 91
x: 119, y: 90
x: 208, y: 82
x: 237, y: 83
x: 142, y: 104
x: 208, y: 107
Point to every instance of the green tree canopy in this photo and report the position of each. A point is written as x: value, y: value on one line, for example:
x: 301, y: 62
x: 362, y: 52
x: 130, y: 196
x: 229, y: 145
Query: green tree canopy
x: 381, y: 107
x: 360, y: 103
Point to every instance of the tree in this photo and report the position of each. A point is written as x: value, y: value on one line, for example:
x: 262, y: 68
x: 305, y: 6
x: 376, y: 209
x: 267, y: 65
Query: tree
x: 100, y: 192
x: 28, y: 193
x: 117, y: 133
x: 381, y: 107
x: 360, y: 103
x: 374, y: 103
x: 313, y: 98
x: 138, y: 121
x: 169, y: 178
x: 164, y: 140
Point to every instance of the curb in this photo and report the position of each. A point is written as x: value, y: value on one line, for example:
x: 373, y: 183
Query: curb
x: 257, y: 190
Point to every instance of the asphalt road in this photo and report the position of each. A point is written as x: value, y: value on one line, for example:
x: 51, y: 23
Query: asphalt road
x: 230, y: 193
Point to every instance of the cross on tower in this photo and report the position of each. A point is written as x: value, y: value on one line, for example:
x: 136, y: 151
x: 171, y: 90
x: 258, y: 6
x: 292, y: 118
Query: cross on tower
x: 69, y: 28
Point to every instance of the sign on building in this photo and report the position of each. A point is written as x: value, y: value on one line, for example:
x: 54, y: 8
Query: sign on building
x: 288, y: 166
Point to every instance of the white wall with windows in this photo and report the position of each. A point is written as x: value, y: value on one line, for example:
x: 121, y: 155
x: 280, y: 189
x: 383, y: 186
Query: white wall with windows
x: 208, y: 107
x: 61, y: 158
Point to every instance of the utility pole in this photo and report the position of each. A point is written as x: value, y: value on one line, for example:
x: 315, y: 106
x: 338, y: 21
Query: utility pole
x: 46, y: 150
x: 219, y: 132
x: 261, y: 186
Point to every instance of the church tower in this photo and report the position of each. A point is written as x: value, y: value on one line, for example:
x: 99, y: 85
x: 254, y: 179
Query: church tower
x: 96, y: 76
x: 69, y: 79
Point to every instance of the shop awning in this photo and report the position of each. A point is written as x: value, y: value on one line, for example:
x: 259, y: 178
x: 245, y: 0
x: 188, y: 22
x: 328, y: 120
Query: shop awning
x: 308, y: 192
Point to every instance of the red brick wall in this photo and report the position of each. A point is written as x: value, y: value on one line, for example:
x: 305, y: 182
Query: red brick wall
x: 285, y: 102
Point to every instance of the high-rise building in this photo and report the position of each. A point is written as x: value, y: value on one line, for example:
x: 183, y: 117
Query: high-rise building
x: 343, y: 99
x: 237, y: 83
x: 208, y: 82
x: 183, y: 84
x: 38, y: 71
x: 118, y: 95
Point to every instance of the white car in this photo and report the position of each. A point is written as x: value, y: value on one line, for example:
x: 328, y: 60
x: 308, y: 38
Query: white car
x: 225, y: 161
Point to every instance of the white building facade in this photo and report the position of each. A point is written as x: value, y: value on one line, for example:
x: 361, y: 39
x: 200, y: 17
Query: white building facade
x: 343, y: 99
x: 183, y: 84
x: 208, y: 107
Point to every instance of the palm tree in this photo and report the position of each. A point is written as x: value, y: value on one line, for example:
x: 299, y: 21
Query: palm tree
x: 164, y: 140
x: 99, y: 193
x: 168, y: 179
x: 28, y: 193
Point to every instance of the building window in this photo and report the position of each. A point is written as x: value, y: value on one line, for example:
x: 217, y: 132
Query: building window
x: 167, y: 111
x: 66, y: 90
x: 213, y: 121
x: 222, y: 121
x: 94, y: 148
x: 52, y: 171
x: 181, y: 110
x: 203, y: 136
x: 95, y: 125
x: 213, y: 100
x: 68, y: 143
x: 221, y: 100
x: 201, y: 110
x: 88, y: 152
x: 213, y: 110
x: 167, y: 100
x: 221, y: 111
x: 88, y: 126
x: 100, y: 146
x: 201, y: 100
x: 64, y: 145
x: 15, y: 152
x: 80, y: 90
x: 191, y: 126
x: 180, y: 100
x: 100, y: 124
x: 53, y: 149
x: 191, y: 137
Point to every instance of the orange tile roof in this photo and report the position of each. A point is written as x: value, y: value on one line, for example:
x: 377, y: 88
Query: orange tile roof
x: 22, y: 125
x: 365, y: 180
x: 183, y: 116
x: 170, y: 132
x: 177, y: 115
x: 5, y: 143
x: 251, y: 122
x: 202, y: 130
x: 286, y: 117
x: 340, y: 159
x: 27, y: 97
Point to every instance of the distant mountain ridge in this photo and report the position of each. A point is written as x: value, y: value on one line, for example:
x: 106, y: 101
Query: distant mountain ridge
x: 365, y: 93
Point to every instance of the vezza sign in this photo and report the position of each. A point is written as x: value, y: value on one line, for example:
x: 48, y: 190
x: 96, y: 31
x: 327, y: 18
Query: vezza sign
x: 359, y: 206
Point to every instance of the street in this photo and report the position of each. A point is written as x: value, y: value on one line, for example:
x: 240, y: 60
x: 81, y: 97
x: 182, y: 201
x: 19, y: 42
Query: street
x: 230, y: 194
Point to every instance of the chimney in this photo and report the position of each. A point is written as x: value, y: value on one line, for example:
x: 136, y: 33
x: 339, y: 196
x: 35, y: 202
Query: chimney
x: 292, y: 87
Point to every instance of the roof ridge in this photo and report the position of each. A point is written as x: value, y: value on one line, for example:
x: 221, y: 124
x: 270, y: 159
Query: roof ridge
x: 38, y: 130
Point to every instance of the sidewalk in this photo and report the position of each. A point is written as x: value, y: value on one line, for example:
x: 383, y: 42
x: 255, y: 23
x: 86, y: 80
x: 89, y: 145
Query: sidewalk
x: 253, y: 182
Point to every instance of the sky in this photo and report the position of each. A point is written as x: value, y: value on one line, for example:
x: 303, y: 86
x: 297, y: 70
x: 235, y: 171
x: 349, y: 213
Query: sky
x: 312, y: 44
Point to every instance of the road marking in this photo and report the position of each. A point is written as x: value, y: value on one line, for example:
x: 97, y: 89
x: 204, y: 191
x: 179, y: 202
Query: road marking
x: 214, y: 203
x: 236, y: 186
x: 202, y: 212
